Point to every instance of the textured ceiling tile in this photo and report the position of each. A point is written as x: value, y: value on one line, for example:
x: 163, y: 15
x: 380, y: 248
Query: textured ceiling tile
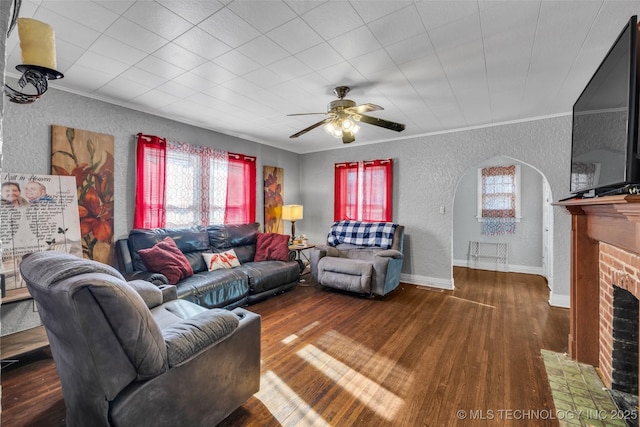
x: 263, y: 15
x: 193, y: 11
x: 179, y: 56
x: 130, y: 33
x: 398, y: 26
x: 332, y: 19
x: 263, y: 50
x: 355, y: 43
x: 229, y: 27
x: 202, y: 43
x: 157, y: 19
x: 295, y: 36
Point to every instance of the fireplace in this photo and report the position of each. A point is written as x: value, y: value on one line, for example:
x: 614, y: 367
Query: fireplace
x: 618, y: 323
x: 605, y: 279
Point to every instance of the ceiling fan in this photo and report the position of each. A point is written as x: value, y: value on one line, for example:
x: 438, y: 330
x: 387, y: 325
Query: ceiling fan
x: 342, y: 115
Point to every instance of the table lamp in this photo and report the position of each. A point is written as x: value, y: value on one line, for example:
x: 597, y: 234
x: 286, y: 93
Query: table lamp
x: 292, y: 213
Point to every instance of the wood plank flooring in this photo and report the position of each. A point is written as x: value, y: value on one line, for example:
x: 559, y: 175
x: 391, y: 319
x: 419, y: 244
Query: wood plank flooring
x: 417, y: 357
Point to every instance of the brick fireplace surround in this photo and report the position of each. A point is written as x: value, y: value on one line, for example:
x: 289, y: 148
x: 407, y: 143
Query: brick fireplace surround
x: 605, y: 251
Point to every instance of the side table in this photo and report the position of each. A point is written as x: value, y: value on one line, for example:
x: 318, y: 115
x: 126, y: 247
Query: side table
x: 300, y: 255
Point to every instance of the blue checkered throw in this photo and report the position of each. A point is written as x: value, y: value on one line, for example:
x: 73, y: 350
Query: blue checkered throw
x: 358, y: 233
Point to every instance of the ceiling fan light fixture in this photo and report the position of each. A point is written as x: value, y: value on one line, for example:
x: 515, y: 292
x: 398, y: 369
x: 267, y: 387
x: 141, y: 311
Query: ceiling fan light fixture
x: 347, y: 124
x: 334, y: 129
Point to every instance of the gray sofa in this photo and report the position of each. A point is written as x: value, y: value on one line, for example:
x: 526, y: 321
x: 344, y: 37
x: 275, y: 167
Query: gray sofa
x: 132, y: 354
x: 227, y: 288
x: 356, y: 264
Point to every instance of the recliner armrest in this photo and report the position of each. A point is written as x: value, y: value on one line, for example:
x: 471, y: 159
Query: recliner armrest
x: 390, y: 253
x: 157, y: 279
x: 150, y: 293
x: 189, y: 336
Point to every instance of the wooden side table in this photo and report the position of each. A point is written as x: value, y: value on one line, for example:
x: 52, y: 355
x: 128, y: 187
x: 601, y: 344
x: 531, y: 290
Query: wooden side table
x: 300, y: 254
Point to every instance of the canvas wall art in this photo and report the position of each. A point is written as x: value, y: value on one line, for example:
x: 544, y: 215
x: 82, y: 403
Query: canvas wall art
x: 88, y: 156
x: 37, y: 213
x: 273, y: 198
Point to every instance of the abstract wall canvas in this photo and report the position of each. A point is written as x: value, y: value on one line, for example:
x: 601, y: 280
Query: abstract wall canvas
x: 88, y: 156
x: 273, y: 198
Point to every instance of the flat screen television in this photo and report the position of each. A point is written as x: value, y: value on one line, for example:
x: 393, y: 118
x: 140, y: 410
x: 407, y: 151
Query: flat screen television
x: 604, y: 140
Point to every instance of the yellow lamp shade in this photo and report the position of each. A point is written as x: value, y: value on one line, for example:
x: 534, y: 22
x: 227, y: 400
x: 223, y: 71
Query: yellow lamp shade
x: 292, y: 212
x: 37, y: 42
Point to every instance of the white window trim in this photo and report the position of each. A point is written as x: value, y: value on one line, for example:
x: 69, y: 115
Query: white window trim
x: 518, y: 179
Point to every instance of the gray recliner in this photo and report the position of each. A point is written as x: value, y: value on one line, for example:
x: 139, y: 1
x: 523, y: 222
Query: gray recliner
x: 132, y: 354
x: 363, y: 269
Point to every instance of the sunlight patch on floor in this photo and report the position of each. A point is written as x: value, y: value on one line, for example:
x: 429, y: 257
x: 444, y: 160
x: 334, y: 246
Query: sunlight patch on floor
x: 285, y: 405
x: 291, y: 338
x: 364, y: 358
x: 471, y: 301
x: 376, y: 397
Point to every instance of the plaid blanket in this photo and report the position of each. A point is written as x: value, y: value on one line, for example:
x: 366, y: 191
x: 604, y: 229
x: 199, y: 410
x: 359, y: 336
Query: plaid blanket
x: 378, y: 234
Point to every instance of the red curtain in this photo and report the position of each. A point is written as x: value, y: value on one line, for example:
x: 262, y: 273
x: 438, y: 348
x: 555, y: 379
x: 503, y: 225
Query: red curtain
x: 363, y: 190
x: 241, y: 190
x: 345, y: 205
x: 376, y: 195
x: 150, y: 182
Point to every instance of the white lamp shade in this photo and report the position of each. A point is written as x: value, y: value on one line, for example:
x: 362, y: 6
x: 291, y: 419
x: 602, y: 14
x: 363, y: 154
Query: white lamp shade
x: 292, y: 212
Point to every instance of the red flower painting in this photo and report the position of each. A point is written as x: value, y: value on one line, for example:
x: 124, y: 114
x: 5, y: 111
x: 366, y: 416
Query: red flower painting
x: 89, y: 158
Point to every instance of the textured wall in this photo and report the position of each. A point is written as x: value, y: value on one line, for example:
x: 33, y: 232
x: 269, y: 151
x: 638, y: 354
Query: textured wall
x: 426, y: 172
x: 28, y: 144
x: 525, y: 245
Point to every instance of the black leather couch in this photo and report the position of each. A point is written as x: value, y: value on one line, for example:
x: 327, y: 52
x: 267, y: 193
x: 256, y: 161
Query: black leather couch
x: 226, y: 288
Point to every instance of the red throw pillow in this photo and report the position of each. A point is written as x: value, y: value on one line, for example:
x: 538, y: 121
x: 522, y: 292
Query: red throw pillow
x: 272, y: 247
x: 166, y: 258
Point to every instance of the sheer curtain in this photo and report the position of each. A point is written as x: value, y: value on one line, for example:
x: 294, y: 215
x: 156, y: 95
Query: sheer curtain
x: 150, y: 182
x: 196, y: 185
x: 179, y: 184
x: 499, y: 200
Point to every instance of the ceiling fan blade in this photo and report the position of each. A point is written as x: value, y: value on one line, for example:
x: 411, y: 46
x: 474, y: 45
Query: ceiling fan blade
x: 313, y: 126
x: 303, y: 114
x: 398, y: 127
x: 364, y: 108
x: 348, y: 137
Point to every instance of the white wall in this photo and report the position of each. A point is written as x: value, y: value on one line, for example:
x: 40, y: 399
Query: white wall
x: 426, y: 172
x: 525, y: 245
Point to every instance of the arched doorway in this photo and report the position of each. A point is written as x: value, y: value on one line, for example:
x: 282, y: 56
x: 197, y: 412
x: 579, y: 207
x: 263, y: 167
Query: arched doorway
x: 530, y: 246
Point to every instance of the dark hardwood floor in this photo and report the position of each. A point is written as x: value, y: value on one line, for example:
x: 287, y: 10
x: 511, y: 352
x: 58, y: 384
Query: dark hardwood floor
x: 417, y: 357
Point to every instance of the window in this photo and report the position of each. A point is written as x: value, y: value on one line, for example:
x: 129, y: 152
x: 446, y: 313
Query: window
x: 584, y: 175
x: 499, y: 199
x: 363, y: 190
x: 192, y: 185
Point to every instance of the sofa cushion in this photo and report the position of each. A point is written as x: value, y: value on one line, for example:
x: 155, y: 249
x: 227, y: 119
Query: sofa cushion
x: 216, y: 261
x: 165, y: 257
x: 190, y: 241
x: 267, y: 275
x: 214, y: 289
x: 240, y: 237
x: 272, y: 247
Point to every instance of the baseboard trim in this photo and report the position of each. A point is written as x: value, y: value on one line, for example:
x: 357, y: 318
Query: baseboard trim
x: 491, y: 266
x: 561, y: 301
x: 432, y: 282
